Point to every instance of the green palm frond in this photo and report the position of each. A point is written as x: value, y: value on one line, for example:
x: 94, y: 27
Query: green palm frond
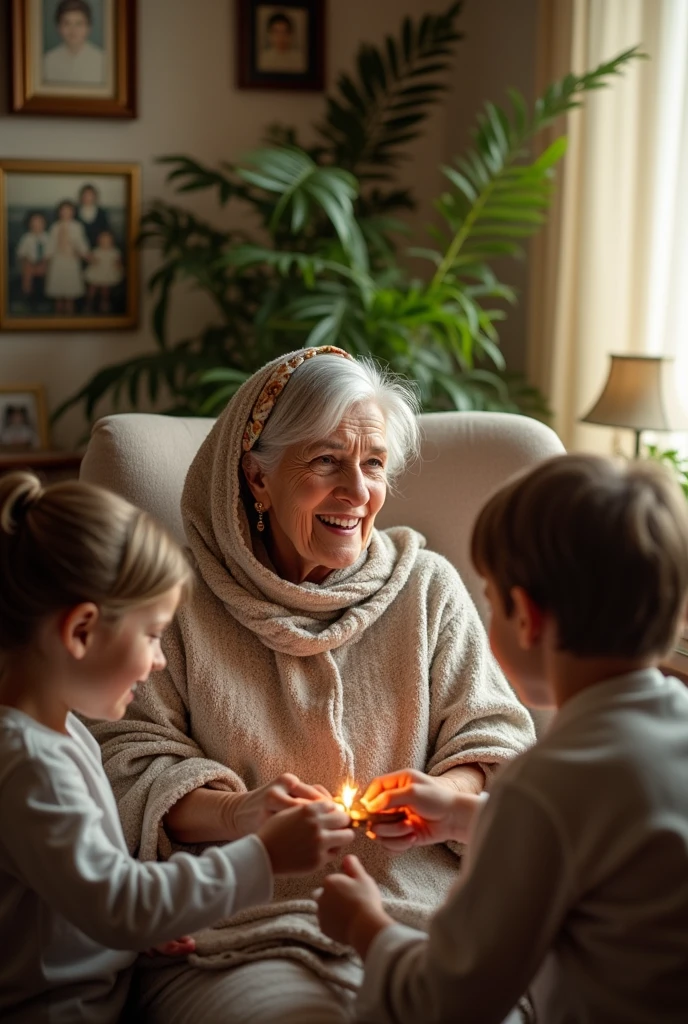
x: 229, y: 381
x: 171, y: 228
x: 381, y: 107
x: 497, y: 195
x: 302, y: 187
x: 190, y: 176
x: 324, y: 268
x: 308, y: 267
x: 189, y: 247
x: 673, y: 460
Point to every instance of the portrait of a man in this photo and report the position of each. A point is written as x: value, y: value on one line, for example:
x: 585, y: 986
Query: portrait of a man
x: 77, y: 59
x: 281, y: 40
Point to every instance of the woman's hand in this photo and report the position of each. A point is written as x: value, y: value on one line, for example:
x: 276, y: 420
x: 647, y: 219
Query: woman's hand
x: 247, y: 812
x: 436, y: 809
x: 305, y: 838
x: 350, y: 907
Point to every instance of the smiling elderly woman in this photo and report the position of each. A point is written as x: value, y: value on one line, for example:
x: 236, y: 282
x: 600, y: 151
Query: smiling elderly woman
x: 315, y: 649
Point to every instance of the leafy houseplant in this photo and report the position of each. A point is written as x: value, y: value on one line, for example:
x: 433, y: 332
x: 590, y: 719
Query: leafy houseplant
x: 324, y: 266
x: 670, y: 458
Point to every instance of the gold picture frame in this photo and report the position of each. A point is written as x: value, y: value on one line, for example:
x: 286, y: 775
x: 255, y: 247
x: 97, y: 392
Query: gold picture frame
x: 23, y: 419
x: 63, y: 269
x: 95, y: 79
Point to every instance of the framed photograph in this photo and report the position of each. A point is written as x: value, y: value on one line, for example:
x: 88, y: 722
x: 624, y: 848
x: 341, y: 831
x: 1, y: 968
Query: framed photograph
x: 68, y: 256
x: 23, y: 419
x: 74, y: 57
x: 281, y: 46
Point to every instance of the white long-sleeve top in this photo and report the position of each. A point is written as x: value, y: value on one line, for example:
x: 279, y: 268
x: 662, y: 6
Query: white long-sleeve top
x: 577, y: 877
x: 74, y: 905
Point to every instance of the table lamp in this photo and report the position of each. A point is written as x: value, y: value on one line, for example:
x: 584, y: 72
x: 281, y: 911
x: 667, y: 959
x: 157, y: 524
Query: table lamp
x: 640, y: 394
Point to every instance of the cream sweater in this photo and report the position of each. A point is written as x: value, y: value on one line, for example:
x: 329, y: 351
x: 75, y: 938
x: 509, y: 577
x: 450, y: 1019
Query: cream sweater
x: 385, y: 665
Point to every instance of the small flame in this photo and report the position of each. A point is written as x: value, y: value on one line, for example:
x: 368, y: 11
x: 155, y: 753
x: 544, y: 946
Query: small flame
x: 348, y: 794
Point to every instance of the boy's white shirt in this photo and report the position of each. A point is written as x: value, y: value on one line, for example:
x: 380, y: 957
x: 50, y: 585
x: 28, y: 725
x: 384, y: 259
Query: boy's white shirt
x: 27, y: 248
x: 73, y: 903
x: 577, y: 879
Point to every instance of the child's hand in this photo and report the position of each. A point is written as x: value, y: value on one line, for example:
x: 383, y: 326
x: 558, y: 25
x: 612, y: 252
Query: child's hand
x: 177, y: 947
x: 350, y: 907
x: 249, y: 811
x: 436, y: 812
x: 305, y: 838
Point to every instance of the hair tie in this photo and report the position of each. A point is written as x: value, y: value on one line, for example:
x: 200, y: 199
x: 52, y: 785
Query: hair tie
x: 274, y: 387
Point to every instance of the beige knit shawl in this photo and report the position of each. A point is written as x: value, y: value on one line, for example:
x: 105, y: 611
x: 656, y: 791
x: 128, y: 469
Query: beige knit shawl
x: 384, y: 665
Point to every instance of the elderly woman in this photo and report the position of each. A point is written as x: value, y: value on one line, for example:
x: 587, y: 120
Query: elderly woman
x: 314, y: 650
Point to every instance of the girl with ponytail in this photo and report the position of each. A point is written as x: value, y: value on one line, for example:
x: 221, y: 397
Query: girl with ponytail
x: 88, y: 584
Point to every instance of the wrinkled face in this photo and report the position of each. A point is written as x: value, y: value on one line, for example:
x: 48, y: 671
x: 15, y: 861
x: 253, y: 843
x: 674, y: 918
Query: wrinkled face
x: 122, y: 656
x: 280, y: 36
x: 74, y: 29
x: 322, y: 500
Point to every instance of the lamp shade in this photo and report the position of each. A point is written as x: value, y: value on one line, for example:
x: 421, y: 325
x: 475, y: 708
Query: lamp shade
x: 640, y: 393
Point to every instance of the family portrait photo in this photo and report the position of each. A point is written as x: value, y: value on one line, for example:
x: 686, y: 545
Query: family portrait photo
x: 280, y: 45
x: 74, y: 57
x: 68, y: 238
x: 23, y: 420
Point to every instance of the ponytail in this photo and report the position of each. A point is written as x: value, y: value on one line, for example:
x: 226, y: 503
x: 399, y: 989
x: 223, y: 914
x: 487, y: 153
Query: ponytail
x: 73, y: 542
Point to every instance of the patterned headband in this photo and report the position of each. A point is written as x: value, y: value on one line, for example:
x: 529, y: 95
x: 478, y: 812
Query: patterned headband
x: 267, y: 399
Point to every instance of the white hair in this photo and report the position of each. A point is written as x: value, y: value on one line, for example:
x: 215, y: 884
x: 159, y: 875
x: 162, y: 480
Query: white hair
x: 322, y: 391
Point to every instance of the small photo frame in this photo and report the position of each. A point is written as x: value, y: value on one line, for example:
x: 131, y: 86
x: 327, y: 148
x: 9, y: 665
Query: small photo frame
x: 23, y: 419
x: 281, y: 46
x: 68, y: 255
x: 74, y: 58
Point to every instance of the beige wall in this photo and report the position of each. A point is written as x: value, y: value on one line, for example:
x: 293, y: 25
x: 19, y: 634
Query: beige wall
x: 188, y: 104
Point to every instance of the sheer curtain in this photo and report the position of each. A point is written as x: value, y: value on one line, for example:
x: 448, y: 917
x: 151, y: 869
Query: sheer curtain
x: 610, y: 272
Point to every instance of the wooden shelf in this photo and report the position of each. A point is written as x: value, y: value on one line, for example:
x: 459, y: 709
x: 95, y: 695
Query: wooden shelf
x: 52, y: 460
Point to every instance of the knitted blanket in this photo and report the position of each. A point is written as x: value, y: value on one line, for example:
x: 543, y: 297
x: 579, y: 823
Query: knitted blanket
x: 384, y: 665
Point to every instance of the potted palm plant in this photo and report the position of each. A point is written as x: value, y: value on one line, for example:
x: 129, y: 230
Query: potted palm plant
x: 325, y: 264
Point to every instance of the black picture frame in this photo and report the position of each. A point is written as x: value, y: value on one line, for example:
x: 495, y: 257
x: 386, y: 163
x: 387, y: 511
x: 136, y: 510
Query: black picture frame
x: 301, y: 64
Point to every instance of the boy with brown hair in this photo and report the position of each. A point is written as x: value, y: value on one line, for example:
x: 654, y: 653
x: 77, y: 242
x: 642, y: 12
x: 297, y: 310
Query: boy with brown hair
x: 577, y: 876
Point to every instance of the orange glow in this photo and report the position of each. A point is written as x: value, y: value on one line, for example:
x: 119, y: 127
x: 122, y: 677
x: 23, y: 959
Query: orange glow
x: 348, y: 794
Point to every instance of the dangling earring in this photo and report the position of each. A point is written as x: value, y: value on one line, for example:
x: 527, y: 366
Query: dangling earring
x: 260, y: 508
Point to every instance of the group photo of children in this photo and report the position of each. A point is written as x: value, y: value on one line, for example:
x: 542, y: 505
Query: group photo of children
x: 66, y: 245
